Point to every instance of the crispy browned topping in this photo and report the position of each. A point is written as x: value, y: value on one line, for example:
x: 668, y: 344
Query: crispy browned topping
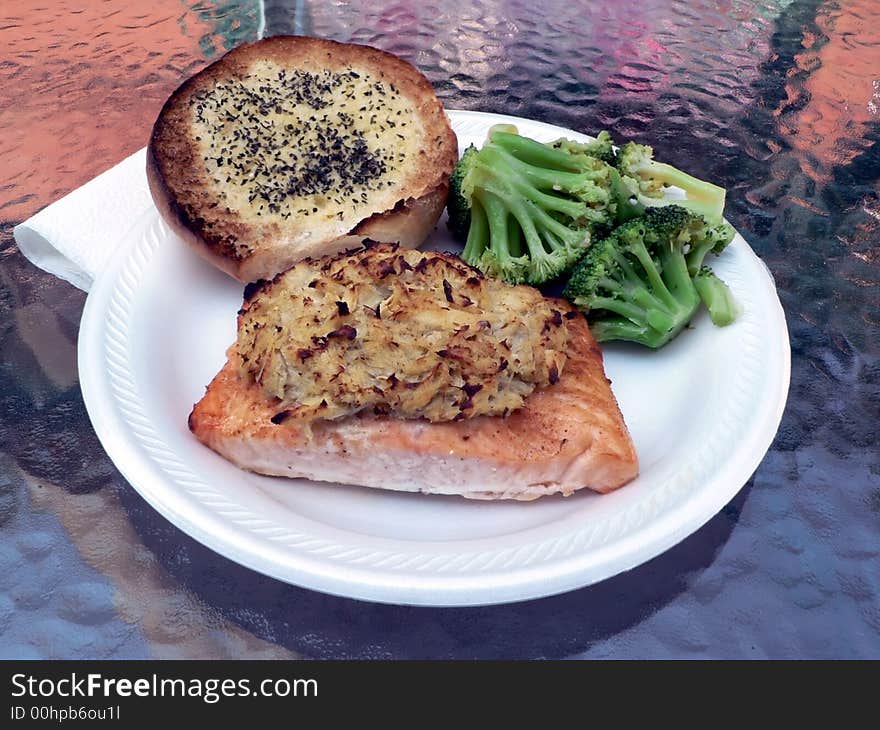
x: 411, y: 334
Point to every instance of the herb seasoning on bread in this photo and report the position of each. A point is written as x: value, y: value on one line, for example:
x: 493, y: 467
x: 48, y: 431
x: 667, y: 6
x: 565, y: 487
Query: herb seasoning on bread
x: 294, y: 146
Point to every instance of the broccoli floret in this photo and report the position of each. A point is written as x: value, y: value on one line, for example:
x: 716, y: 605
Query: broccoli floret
x: 647, y: 180
x: 723, y: 308
x: 459, y: 211
x: 602, y: 147
x: 713, y: 239
x: 626, y: 204
x: 529, y: 208
x: 635, y: 284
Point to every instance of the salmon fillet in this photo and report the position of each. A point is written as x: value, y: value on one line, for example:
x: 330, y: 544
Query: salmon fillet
x: 567, y: 436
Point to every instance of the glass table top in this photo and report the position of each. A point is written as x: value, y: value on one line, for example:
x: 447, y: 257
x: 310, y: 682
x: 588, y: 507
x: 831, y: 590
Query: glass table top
x: 778, y: 100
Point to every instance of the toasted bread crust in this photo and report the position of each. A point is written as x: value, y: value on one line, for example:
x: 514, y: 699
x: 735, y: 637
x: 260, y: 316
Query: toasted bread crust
x: 249, y: 250
x: 568, y: 436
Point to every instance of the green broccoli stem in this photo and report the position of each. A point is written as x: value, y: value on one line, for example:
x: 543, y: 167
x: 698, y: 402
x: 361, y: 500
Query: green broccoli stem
x: 630, y: 311
x: 702, y: 197
x: 643, y: 309
x: 662, y: 306
x: 667, y: 303
x: 557, y: 236
x: 478, y: 235
x: 678, y: 280
x: 525, y: 204
x: 697, y: 255
x: 503, y: 242
x: 719, y: 300
x: 496, y: 215
x: 531, y: 182
x: 515, y: 241
x: 657, y: 297
x: 605, y: 330
x: 658, y: 285
x: 538, y: 204
x: 542, y: 261
x: 628, y: 205
x: 534, y: 153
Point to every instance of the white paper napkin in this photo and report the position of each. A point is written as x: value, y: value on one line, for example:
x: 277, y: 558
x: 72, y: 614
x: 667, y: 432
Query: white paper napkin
x: 74, y: 237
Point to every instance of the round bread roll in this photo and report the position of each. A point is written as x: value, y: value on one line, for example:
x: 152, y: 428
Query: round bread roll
x: 294, y: 146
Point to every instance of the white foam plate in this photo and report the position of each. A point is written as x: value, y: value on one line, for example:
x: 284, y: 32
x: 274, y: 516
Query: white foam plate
x: 702, y: 412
